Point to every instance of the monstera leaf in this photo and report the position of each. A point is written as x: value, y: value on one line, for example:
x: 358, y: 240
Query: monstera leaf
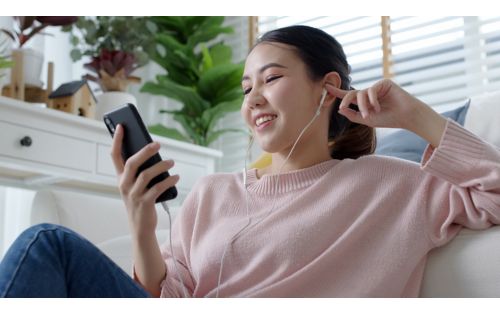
x: 199, y: 74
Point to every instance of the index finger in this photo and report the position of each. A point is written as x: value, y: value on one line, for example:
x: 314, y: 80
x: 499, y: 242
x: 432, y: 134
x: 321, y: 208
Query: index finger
x: 116, y: 150
x: 337, y: 92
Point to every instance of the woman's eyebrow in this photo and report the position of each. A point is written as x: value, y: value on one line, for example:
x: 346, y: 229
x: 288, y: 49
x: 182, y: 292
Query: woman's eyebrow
x: 265, y: 67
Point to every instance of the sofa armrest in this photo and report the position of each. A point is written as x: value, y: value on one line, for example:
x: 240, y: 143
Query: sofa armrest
x: 468, y: 266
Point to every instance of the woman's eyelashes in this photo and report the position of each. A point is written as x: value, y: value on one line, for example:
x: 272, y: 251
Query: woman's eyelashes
x: 268, y: 80
x: 272, y: 77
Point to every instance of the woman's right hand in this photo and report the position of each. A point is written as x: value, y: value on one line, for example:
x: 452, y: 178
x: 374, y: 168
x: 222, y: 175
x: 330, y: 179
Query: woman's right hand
x: 139, y: 200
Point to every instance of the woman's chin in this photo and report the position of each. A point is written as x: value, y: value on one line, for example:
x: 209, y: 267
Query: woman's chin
x: 268, y: 147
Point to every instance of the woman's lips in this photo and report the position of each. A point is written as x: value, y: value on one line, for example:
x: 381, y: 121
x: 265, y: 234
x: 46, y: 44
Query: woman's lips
x: 264, y: 125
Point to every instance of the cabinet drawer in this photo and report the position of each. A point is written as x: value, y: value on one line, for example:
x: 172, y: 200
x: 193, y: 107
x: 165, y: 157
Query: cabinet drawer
x: 46, y: 148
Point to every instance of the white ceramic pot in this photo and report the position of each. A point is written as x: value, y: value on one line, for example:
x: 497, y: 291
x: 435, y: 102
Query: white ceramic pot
x: 111, y: 100
x: 33, y: 63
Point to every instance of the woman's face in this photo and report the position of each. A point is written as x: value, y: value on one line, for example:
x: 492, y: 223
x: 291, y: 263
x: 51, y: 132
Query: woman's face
x: 280, y: 98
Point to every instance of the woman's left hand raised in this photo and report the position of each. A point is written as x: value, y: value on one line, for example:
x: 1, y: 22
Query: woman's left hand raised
x: 385, y: 104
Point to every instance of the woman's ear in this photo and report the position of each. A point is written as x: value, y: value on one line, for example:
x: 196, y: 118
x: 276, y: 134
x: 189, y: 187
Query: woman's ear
x: 332, y: 78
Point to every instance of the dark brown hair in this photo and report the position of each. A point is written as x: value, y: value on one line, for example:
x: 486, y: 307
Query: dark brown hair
x: 322, y: 54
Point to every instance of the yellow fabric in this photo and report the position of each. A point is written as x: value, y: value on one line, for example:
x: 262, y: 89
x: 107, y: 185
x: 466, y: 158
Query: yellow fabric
x: 263, y: 161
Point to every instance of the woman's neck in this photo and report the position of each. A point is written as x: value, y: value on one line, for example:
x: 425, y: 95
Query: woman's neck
x: 302, y: 157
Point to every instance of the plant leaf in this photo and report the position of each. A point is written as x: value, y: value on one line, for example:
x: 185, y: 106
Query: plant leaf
x: 216, y: 134
x: 212, y: 115
x: 190, y: 128
x: 171, y: 111
x: 9, y: 33
x: 236, y: 93
x: 186, y: 95
x: 219, y: 80
x: 207, y: 35
x: 4, y: 63
x: 173, y: 133
x: 220, y: 54
x: 208, y: 30
x: 170, y: 42
x: 206, y: 62
x: 75, y: 55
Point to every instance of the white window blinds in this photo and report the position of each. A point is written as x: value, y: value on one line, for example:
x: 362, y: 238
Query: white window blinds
x: 445, y: 60
x: 441, y: 60
x: 360, y: 37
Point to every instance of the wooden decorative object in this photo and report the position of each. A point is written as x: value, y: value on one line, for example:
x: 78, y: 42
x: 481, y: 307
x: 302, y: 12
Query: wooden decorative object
x: 118, y: 82
x: 75, y: 98
x: 19, y: 90
x: 17, y: 76
x: 31, y: 94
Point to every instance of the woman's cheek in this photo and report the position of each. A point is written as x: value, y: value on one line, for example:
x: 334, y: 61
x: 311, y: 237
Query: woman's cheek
x: 245, y: 113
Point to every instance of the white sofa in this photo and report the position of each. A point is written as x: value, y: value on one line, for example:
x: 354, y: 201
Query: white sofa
x: 101, y: 220
x: 469, y: 266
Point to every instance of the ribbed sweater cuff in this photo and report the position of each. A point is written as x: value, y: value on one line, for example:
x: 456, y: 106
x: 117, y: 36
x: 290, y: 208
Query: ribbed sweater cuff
x: 457, y: 154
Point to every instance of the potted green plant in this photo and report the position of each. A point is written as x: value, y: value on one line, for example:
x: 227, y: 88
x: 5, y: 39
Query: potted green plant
x: 114, y: 43
x: 199, y: 74
x: 116, y: 46
x: 25, y: 28
x: 5, y: 61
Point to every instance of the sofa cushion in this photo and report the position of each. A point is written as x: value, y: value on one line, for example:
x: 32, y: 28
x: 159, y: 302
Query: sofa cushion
x: 483, y: 117
x: 407, y: 145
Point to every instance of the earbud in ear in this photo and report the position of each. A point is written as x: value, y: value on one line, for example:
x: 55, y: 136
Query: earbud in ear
x: 323, y: 97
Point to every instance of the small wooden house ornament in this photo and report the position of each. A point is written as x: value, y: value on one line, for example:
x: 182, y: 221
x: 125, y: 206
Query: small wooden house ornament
x: 75, y: 97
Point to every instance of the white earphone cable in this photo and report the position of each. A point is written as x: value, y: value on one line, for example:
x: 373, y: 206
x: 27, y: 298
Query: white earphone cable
x: 166, y: 208
x: 241, y: 230
x: 248, y: 225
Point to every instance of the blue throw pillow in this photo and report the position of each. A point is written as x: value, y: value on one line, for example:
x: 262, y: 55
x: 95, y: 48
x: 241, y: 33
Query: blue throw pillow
x: 406, y: 145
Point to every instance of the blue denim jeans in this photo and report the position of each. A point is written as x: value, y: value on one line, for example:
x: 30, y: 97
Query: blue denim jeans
x: 52, y: 261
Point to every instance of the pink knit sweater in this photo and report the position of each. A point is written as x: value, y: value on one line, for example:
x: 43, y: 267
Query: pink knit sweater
x: 350, y: 228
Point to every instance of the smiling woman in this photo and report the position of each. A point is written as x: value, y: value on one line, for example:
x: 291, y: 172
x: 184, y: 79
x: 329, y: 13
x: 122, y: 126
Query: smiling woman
x: 315, y: 222
x: 273, y: 73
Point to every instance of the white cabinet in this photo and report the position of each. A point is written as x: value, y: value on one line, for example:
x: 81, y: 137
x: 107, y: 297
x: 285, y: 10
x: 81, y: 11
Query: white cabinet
x: 42, y: 148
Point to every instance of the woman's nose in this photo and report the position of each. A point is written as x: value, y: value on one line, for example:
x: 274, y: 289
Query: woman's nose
x: 255, y: 99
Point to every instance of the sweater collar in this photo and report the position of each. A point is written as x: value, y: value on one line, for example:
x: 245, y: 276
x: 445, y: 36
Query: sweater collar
x: 289, y: 181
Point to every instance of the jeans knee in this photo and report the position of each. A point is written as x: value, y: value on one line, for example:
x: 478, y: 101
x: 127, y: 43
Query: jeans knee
x: 42, y: 228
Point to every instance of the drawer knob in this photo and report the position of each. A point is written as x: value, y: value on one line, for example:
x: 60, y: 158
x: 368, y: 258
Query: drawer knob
x: 26, y: 141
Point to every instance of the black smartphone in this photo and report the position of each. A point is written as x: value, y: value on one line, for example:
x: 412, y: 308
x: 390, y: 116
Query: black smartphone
x: 135, y: 138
